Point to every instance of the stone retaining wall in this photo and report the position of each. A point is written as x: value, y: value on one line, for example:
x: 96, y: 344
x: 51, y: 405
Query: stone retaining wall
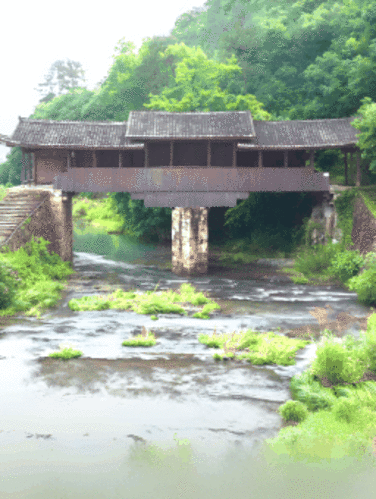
x: 51, y: 220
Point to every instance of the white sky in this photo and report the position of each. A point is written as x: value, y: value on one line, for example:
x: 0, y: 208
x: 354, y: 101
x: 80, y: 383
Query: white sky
x: 35, y: 34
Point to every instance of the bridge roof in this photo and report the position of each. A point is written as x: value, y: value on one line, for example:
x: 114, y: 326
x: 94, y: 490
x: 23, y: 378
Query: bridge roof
x: 77, y: 134
x: 303, y: 134
x: 214, y: 125
x: 295, y: 134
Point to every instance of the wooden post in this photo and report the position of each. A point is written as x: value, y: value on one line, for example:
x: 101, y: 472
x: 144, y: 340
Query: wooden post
x: 260, y: 163
x: 146, y: 155
x: 171, y: 153
x: 346, y: 169
x: 358, y: 172
x: 33, y: 173
x: 285, y: 159
x: 120, y: 160
x: 68, y: 160
x: 208, y: 162
x: 23, y: 172
x: 94, y: 159
x: 312, y: 159
x: 234, y: 154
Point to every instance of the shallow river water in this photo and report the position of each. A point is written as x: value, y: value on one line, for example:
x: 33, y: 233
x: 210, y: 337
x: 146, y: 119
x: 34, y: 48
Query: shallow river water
x: 161, y: 422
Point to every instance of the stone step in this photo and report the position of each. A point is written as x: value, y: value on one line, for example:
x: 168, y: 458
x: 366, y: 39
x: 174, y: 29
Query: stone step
x: 14, y: 209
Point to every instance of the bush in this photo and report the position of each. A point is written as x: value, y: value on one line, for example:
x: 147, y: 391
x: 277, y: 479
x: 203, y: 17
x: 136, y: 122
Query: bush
x: 306, y: 389
x: 365, y: 286
x: 347, y: 264
x: 8, y: 285
x: 293, y: 410
x: 340, y: 362
x: 346, y: 410
x: 316, y: 260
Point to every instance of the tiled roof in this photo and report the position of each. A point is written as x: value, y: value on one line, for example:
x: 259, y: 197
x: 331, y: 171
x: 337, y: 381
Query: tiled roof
x: 77, y: 134
x: 164, y: 125
x: 302, y: 134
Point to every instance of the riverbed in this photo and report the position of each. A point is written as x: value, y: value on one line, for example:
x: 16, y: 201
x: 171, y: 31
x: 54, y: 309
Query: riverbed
x: 165, y: 421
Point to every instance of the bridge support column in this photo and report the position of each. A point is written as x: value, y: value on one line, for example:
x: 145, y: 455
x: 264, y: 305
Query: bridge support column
x: 190, y: 241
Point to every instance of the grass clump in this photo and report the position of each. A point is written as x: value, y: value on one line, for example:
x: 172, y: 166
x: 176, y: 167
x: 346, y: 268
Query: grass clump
x: 145, y: 339
x: 147, y: 303
x: 65, y: 353
x: 38, y: 277
x: 263, y: 348
x: 294, y: 410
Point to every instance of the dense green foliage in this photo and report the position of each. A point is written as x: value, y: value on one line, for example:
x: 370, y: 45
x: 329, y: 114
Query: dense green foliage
x: 41, y: 278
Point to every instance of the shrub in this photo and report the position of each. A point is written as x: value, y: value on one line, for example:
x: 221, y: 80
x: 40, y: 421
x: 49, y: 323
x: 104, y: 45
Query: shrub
x: 346, y: 410
x: 306, y: 389
x: 293, y: 410
x: 365, y: 286
x: 346, y: 264
x: 340, y: 362
x: 8, y: 285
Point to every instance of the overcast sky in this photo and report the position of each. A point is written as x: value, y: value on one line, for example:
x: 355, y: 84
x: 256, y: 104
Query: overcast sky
x: 35, y: 34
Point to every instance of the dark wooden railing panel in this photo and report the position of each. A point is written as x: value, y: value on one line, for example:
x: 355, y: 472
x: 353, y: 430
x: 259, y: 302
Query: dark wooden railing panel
x: 185, y: 179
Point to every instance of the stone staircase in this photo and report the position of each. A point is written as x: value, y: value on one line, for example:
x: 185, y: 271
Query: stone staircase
x: 15, y: 208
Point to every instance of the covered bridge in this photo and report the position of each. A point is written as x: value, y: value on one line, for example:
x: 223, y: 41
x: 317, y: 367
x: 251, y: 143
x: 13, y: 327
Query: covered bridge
x: 186, y: 161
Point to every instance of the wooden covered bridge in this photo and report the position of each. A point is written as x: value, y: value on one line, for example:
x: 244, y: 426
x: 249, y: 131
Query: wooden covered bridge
x: 187, y: 161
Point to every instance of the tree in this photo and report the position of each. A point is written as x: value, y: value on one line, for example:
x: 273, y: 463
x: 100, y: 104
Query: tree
x: 367, y: 126
x: 201, y: 84
x: 62, y: 76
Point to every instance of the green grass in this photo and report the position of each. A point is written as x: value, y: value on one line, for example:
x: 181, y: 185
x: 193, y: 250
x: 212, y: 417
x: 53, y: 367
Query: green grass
x: 262, y: 348
x: 145, y: 339
x: 100, y: 212
x: 65, y: 353
x: 41, y: 277
x: 148, y: 303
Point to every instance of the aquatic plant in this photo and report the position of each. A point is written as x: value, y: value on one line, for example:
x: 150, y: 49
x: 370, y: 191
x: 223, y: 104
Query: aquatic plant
x: 263, y: 348
x: 66, y: 352
x: 144, y: 339
x: 147, y: 303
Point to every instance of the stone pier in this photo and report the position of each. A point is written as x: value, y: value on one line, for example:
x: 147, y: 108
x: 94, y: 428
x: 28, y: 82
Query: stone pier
x: 189, y: 241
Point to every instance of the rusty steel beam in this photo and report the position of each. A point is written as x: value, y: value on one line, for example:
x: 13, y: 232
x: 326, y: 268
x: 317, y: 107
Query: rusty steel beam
x: 186, y: 179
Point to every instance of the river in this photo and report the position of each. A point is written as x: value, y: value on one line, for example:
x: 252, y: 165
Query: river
x: 81, y: 428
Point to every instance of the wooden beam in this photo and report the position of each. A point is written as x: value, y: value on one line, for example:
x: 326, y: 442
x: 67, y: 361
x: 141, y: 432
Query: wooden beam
x: 234, y: 154
x: 208, y: 162
x: 346, y: 169
x: 171, y: 152
x: 94, y: 159
x: 69, y: 160
x: 260, y: 163
x: 358, y: 171
x: 120, y: 160
x: 146, y: 155
x: 285, y: 159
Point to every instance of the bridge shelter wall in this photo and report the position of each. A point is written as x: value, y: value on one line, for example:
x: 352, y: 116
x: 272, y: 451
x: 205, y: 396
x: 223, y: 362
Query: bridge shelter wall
x: 48, y: 163
x: 272, y: 158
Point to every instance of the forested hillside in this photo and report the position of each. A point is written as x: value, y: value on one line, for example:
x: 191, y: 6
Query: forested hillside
x: 280, y: 59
